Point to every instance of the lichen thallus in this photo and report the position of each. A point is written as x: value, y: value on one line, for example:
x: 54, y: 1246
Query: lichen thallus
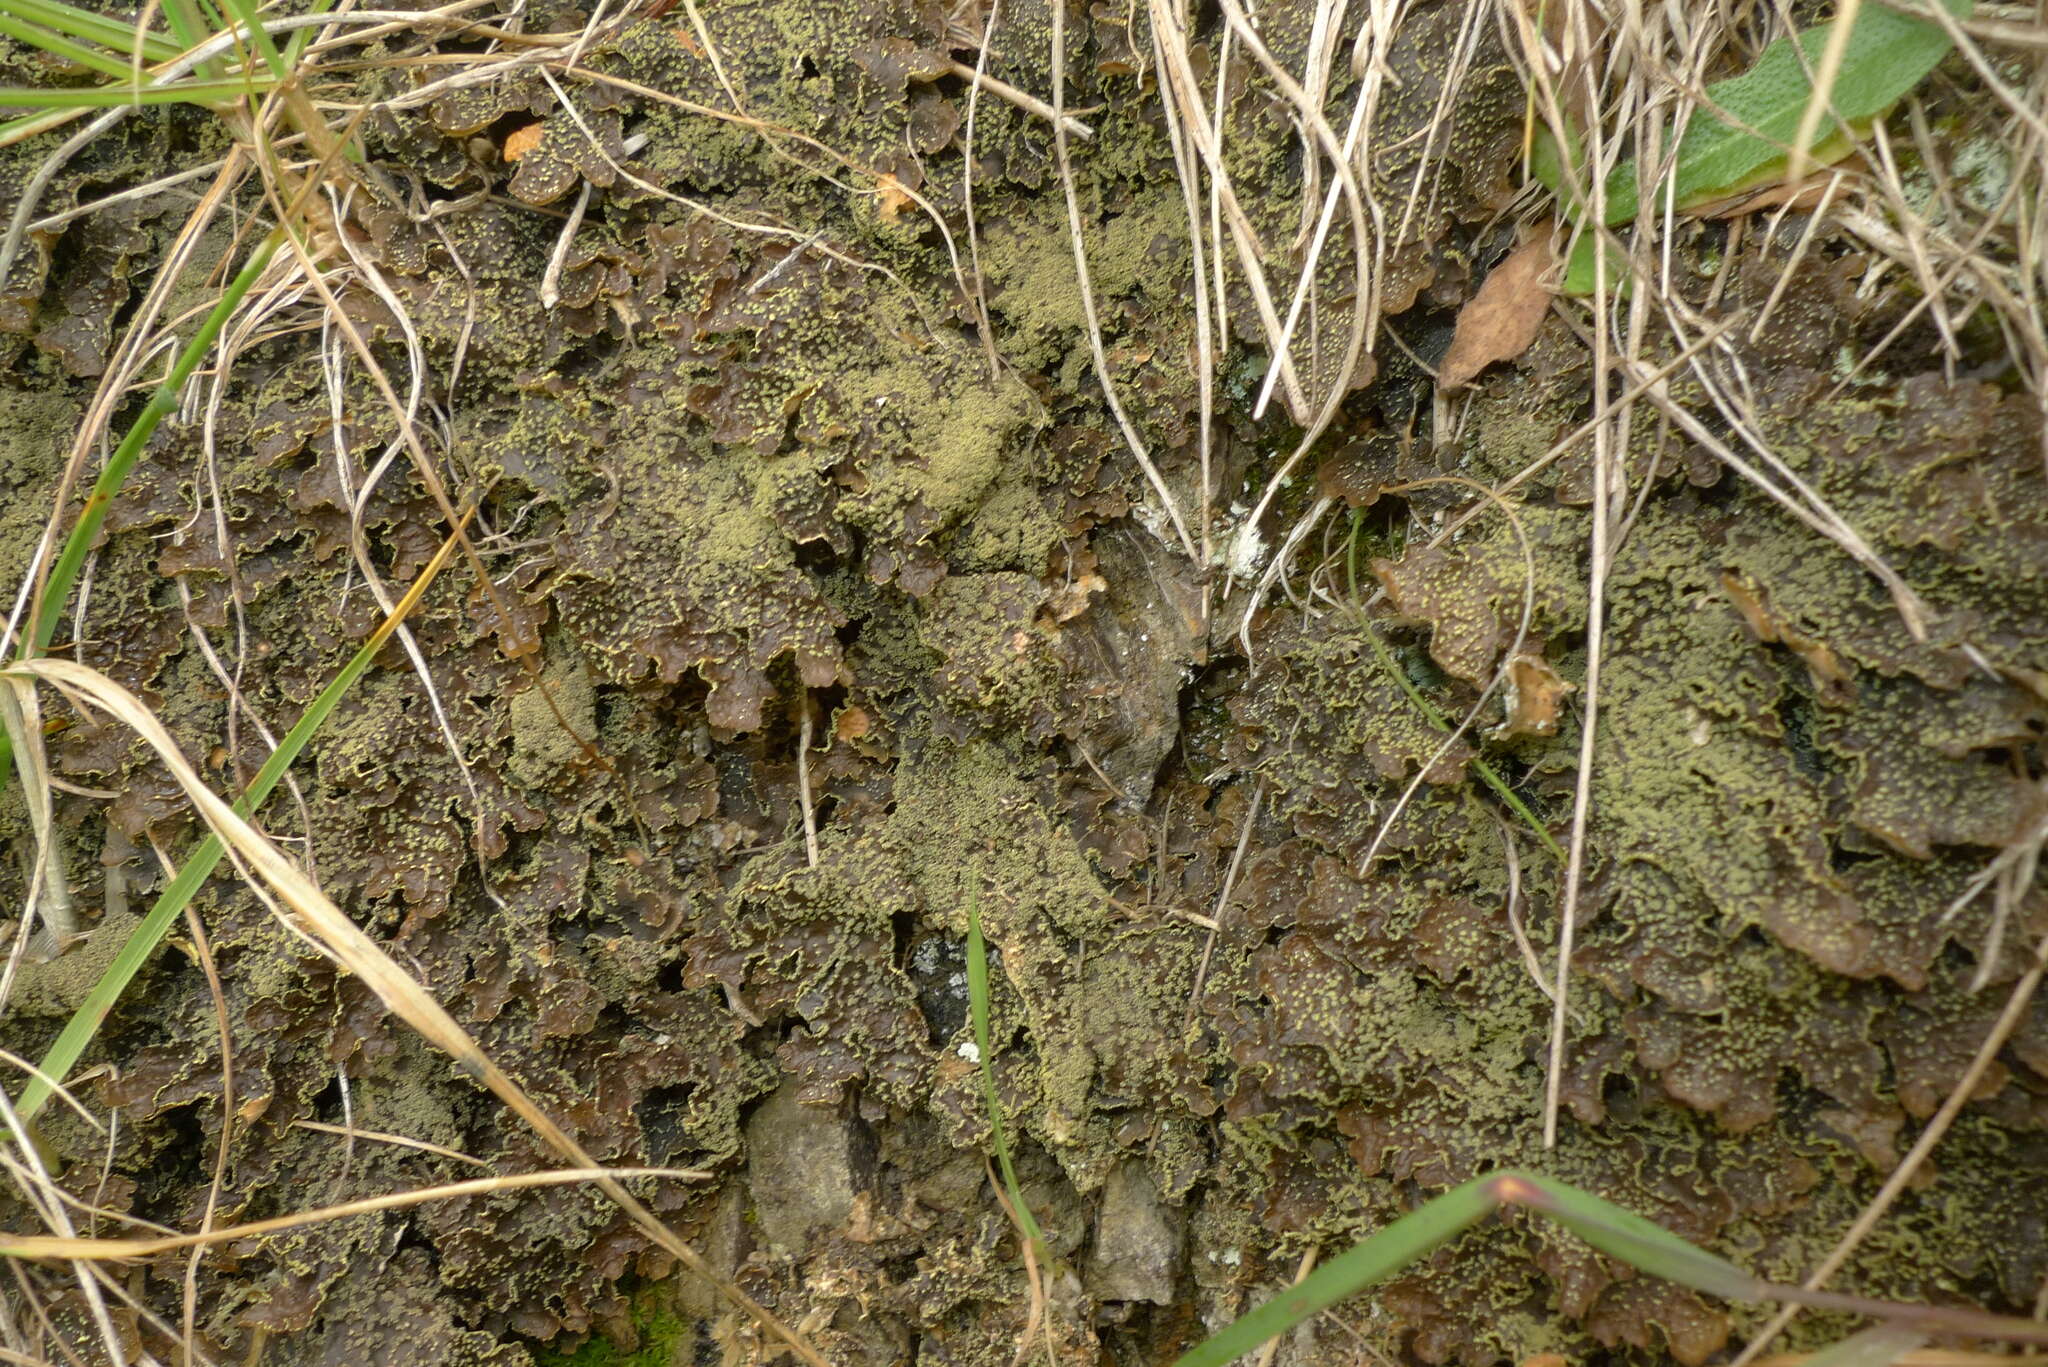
x: 1614, y: 1231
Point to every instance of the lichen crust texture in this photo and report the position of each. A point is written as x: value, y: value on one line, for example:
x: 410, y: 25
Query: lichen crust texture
x: 824, y: 599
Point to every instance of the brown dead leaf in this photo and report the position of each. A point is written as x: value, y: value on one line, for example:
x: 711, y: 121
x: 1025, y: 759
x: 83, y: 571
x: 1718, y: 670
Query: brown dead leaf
x: 1535, y: 697
x: 1499, y: 322
x: 520, y: 141
x: 895, y: 196
x: 1071, y: 600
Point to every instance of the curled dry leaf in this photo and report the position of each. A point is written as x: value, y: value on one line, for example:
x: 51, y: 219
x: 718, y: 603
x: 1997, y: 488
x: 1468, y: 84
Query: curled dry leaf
x: 1535, y: 697
x: 1071, y: 599
x: 521, y: 140
x: 1499, y: 322
x: 893, y: 196
x: 1831, y: 677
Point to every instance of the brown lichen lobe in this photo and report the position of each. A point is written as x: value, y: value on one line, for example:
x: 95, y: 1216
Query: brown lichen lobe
x: 831, y: 415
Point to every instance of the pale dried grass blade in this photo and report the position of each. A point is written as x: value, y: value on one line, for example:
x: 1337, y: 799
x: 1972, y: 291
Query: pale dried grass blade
x: 102, y: 1250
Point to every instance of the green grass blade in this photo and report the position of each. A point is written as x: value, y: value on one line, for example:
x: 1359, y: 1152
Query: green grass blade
x: 161, y: 402
x: 111, y: 34
x: 85, y: 1022
x: 1622, y: 1234
x: 977, y: 1008
x: 66, y: 49
x: 142, y: 942
x: 209, y: 93
x: 191, y: 31
x: 246, y: 13
x: 1385, y: 1253
x: 295, y: 45
x: 24, y: 126
x: 49, y: 607
x: 1614, y: 1231
x: 1487, y: 773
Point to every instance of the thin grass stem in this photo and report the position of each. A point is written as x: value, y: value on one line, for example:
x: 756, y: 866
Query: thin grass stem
x: 1487, y: 773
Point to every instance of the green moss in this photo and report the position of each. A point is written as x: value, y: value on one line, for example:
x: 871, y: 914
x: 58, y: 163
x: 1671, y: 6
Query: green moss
x: 744, y: 465
x: 56, y: 987
x: 666, y: 1340
x: 957, y: 433
x: 1011, y: 530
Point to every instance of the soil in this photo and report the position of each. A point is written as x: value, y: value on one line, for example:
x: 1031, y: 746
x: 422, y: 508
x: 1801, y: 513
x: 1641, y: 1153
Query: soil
x: 754, y: 478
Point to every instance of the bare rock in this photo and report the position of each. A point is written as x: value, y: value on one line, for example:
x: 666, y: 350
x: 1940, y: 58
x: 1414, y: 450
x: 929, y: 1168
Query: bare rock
x: 805, y: 1166
x: 1137, y: 1240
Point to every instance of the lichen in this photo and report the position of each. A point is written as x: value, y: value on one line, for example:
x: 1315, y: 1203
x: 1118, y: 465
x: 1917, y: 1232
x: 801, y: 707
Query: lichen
x: 807, y: 627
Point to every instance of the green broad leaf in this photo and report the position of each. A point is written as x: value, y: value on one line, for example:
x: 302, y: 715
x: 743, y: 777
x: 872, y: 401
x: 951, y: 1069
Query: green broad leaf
x: 1580, y: 266
x: 1742, y: 134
